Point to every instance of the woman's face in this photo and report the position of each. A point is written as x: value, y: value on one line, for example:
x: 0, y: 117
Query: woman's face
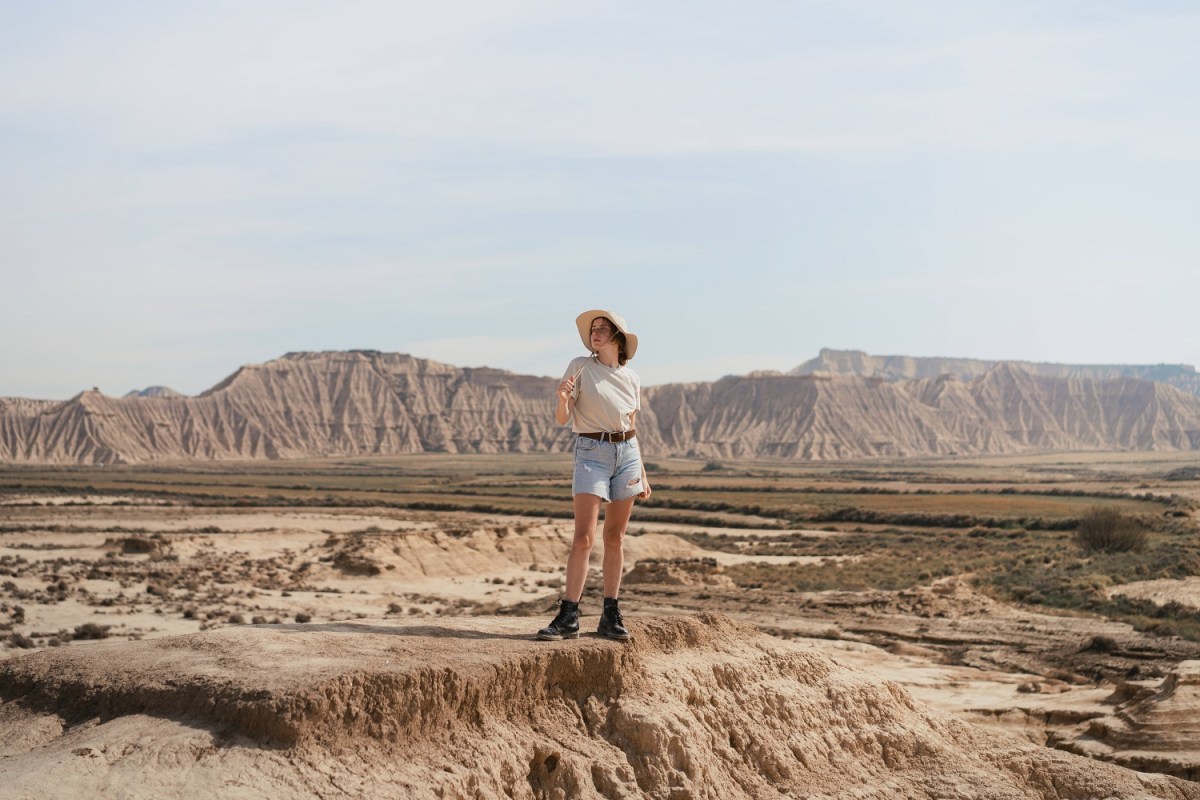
x: 602, y: 332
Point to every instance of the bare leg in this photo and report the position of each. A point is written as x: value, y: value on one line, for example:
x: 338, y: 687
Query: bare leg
x: 587, y: 512
x: 616, y: 519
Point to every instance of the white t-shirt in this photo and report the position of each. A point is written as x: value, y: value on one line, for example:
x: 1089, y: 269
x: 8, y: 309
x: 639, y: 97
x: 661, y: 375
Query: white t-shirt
x: 604, y: 396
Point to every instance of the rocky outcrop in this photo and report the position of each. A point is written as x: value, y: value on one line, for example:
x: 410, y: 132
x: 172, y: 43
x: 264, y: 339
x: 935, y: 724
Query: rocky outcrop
x: 692, y: 707
x: 1154, y: 728
x: 371, y: 403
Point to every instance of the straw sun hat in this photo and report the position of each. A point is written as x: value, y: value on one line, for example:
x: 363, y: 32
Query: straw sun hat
x: 584, y: 323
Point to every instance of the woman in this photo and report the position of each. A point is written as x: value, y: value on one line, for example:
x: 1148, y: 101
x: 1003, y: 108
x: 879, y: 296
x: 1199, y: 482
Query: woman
x: 600, y: 396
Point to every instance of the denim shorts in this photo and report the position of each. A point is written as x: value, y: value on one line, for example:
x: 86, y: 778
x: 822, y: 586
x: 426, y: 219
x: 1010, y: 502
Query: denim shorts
x: 610, y: 470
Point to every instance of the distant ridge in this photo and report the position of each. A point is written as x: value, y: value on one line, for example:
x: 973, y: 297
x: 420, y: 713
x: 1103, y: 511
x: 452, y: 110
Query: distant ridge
x: 154, y: 391
x: 898, y: 368
x: 365, y: 402
x: 1004, y: 410
x: 300, y: 405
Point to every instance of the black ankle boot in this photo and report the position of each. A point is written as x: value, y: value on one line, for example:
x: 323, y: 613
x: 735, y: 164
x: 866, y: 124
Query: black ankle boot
x: 611, y: 624
x: 565, y: 624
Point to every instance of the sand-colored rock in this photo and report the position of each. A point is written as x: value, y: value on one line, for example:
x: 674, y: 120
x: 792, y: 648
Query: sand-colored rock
x: 679, y: 572
x: 1161, y: 591
x: 694, y: 707
x: 1153, y: 727
x: 303, y: 404
x: 1005, y: 410
x: 370, y: 403
x: 856, y: 362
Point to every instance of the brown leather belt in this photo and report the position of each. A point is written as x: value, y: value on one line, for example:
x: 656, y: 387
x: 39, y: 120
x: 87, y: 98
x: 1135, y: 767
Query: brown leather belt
x: 605, y: 436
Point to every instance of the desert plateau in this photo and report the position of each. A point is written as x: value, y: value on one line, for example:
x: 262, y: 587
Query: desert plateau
x: 363, y: 627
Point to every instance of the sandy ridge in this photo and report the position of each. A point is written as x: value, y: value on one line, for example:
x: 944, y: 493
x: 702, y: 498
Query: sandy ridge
x: 288, y: 683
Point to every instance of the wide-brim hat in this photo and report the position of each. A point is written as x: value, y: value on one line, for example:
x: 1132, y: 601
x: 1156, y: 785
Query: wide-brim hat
x: 584, y: 323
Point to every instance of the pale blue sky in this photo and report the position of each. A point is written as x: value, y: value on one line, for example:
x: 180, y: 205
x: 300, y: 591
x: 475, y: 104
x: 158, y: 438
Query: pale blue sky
x: 188, y: 187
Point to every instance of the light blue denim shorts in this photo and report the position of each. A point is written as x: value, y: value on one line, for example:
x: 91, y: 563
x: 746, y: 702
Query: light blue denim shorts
x: 610, y: 470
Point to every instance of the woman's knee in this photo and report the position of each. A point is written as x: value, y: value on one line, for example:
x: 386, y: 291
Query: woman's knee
x: 583, y: 542
x: 614, y: 538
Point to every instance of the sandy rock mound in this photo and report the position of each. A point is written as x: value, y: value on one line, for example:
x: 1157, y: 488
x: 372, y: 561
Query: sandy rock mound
x: 472, y: 707
x: 679, y: 572
x: 442, y: 552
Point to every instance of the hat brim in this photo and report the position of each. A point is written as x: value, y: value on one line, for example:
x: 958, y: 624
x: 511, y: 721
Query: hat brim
x: 583, y: 323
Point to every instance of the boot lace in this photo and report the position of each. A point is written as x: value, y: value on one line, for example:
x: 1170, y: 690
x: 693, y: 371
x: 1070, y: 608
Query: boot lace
x: 561, y: 618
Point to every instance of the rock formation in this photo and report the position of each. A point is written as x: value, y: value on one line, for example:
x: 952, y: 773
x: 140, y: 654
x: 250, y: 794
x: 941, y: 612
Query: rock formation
x: 371, y: 403
x: 471, y: 707
x: 303, y: 404
x: 896, y: 368
x: 1005, y: 410
x: 1154, y: 727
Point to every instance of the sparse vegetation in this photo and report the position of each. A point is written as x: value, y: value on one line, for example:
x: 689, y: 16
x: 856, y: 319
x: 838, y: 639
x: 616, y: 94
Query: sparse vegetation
x: 1106, y: 529
x: 90, y: 630
x: 21, y: 641
x: 1023, y: 536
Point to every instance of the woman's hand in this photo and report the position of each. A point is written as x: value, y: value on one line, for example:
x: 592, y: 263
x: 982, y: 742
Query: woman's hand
x: 563, y: 401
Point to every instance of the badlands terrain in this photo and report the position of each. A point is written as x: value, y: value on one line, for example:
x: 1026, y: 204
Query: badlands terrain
x: 363, y: 628
x: 364, y: 402
x: 901, y: 368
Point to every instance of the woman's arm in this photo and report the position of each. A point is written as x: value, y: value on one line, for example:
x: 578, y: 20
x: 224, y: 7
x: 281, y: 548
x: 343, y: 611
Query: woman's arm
x: 565, y: 402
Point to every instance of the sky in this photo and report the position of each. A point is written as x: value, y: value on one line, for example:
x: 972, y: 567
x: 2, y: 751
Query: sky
x: 187, y: 187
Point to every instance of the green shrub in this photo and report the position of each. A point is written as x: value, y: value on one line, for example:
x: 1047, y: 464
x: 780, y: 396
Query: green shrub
x: 1106, y: 529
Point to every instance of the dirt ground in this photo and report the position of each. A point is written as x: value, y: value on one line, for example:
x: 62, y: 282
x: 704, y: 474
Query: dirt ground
x: 100, y: 577
x: 81, y: 570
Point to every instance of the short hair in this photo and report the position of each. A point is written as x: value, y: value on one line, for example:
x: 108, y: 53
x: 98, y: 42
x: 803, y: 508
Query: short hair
x: 621, y: 356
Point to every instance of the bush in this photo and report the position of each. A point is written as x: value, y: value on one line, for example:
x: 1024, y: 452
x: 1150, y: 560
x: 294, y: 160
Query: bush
x: 1106, y: 529
x: 90, y: 630
x: 1101, y: 644
x: 19, y: 640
